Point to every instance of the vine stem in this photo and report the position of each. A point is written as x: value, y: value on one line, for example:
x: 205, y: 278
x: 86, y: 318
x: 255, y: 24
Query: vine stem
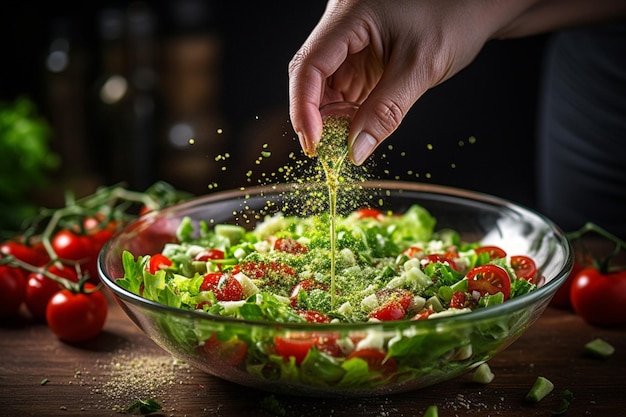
x: 589, y: 227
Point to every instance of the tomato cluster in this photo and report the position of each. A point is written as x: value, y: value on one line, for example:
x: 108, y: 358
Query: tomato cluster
x: 54, y: 292
x: 595, y: 289
x: 50, y: 268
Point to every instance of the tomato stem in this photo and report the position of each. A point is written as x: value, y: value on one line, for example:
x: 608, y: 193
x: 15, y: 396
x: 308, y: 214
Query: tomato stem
x: 76, y: 287
x: 602, y: 264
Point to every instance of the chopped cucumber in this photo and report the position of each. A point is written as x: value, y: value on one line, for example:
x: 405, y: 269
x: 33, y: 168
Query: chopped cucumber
x: 539, y: 390
x: 599, y: 348
x: 431, y: 411
x: 233, y: 232
x: 483, y: 374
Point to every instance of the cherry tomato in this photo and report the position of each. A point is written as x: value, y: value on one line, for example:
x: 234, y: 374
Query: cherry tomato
x: 600, y: 298
x: 78, y: 248
x: 493, y: 251
x: 489, y: 279
x: 224, y: 286
x: 314, y: 316
x: 524, y: 268
x: 295, y: 346
x: 12, y: 290
x: 392, y: 310
x: 232, y: 352
x: 368, y: 213
x: 40, y: 289
x: 76, y: 317
x: 413, y: 252
x: 71, y: 246
x: 304, y: 285
x: 273, y: 270
x: 400, y: 295
x: 460, y: 300
x: 24, y: 253
x: 209, y: 254
x: 157, y: 262
x: 561, y: 298
x: 423, y: 314
x: 377, y: 361
x: 289, y: 245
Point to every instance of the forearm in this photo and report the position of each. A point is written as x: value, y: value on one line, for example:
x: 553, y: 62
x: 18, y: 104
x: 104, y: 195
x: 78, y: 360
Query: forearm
x: 550, y: 15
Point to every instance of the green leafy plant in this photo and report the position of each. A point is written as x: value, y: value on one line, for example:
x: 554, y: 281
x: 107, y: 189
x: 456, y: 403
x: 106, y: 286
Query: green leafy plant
x: 26, y: 159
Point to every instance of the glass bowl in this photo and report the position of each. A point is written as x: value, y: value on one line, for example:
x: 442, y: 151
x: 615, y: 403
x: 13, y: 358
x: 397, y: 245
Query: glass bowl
x: 433, y: 350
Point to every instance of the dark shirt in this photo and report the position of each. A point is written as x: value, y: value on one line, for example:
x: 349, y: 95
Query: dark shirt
x: 582, y: 129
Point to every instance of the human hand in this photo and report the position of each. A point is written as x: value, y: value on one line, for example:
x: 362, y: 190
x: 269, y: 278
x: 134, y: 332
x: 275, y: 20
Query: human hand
x: 384, y: 56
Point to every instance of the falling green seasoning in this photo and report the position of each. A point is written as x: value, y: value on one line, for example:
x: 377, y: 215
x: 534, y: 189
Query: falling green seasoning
x: 332, y: 151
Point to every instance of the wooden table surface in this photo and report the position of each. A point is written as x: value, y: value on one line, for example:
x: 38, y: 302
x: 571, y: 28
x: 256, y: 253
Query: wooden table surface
x: 42, y: 376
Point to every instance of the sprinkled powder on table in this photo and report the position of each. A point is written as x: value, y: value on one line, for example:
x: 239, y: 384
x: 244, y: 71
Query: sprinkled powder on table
x: 137, y: 377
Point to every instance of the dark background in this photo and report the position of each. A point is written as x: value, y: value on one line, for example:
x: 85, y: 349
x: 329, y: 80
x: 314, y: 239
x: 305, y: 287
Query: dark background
x: 235, y: 79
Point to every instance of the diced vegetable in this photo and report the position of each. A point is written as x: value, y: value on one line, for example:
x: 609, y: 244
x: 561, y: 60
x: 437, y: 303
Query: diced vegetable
x: 540, y: 389
x: 431, y: 411
x: 599, y: 348
x: 483, y: 374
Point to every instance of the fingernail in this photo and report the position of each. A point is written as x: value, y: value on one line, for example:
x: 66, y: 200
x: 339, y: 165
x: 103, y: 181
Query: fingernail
x: 362, y: 147
x: 303, y: 144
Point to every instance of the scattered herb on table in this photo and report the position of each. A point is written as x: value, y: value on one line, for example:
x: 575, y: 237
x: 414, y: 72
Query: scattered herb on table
x: 271, y: 404
x: 144, y: 407
x: 568, y: 397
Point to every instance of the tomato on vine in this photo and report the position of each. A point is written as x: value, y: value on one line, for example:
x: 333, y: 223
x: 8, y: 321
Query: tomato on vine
x: 41, y: 288
x: 77, y: 316
x: 597, y: 287
x: 600, y: 298
x: 12, y: 290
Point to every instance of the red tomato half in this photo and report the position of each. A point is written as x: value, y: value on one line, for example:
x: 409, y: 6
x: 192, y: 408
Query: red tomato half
x: 289, y: 245
x: 295, y: 346
x: 209, y: 254
x: 314, y: 316
x: 600, y: 298
x: 231, y: 352
x: 368, y: 213
x: 489, y: 279
x: 524, y: 268
x: 224, y: 286
x: 76, y: 317
x: 392, y: 310
x: 157, y: 262
x: 377, y: 361
x: 304, y: 285
x: 493, y: 251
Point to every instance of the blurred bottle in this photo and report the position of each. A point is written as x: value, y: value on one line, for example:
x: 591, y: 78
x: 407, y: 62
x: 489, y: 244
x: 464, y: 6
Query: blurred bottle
x: 110, y: 106
x: 193, y: 140
x: 65, y: 68
x: 143, y: 55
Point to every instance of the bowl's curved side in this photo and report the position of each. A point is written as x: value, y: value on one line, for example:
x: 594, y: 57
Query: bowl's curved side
x: 425, y: 352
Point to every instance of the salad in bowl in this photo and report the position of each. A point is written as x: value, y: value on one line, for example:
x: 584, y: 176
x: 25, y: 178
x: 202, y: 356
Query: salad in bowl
x: 423, y: 285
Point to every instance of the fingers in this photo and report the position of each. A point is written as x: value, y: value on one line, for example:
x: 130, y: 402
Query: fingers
x: 308, y: 71
x: 384, y: 109
x: 311, y: 68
